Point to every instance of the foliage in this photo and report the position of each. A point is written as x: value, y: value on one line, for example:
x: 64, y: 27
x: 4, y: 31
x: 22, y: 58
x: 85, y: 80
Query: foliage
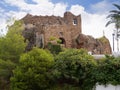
x: 108, y: 71
x: 114, y: 17
x: 33, y: 73
x: 12, y: 45
x: 65, y: 87
x: 75, y: 67
x: 52, y: 38
x: 54, y: 48
x: 59, y: 41
x: 6, y: 68
x: 56, y: 40
x: 103, y: 40
x: 16, y: 28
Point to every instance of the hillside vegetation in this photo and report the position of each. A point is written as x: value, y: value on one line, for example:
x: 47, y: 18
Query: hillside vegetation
x: 51, y: 68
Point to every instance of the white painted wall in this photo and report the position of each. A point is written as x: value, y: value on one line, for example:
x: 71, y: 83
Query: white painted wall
x: 108, y: 87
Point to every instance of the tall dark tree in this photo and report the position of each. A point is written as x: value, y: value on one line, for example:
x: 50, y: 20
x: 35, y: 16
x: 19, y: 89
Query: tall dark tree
x: 115, y: 18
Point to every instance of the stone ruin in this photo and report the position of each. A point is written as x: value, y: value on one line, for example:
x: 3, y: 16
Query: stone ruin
x: 39, y: 30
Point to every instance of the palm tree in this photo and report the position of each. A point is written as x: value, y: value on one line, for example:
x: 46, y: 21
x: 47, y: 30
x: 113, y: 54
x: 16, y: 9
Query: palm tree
x: 115, y: 18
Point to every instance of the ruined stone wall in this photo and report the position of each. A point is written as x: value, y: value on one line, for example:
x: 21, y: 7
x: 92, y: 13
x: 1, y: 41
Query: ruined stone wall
x: 69, y: 26
x: 58, y: 31
x: 75, y: 28
x: 39, y: 30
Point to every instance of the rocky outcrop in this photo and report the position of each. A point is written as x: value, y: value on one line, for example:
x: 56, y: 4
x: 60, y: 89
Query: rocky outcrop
x: 96, y: 46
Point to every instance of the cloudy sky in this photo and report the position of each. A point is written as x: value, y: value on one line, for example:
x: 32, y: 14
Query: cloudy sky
x: 93, y: 12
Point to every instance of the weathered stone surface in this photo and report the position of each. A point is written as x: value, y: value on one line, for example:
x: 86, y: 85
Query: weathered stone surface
x: 96, y: 46
x: 39, y: 30
x: 66, y: 28
x: 105, y: 45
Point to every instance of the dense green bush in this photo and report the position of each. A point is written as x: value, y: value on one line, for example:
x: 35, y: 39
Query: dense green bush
x: 54, y: 48
x: 75, y: 67
x: 108, y: 71
x: 64, y: 87
x: 33, y: 73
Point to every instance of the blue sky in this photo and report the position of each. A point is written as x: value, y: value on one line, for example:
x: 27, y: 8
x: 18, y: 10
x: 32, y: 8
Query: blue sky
x: 85, y: 3
x: 93, y: 12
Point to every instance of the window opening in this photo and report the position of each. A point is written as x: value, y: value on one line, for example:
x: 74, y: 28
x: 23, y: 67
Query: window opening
x: 74, y: 21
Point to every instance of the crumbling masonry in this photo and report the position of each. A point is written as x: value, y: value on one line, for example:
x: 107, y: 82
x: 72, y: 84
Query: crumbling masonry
x: 40, y: 29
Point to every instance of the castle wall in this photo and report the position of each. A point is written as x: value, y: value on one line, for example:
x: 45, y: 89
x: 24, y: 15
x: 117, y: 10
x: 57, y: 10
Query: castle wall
x: 39, y: 30
x: 58, y: 31
x: 51, y: 26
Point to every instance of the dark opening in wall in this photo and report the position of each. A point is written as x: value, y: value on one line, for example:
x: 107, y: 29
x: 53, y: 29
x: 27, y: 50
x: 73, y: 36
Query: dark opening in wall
x: 74, y: 21
x: 62, y: 40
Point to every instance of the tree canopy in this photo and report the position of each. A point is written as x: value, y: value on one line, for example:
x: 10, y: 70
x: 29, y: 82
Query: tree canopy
x: 12, y: 45
x: 34, y: 71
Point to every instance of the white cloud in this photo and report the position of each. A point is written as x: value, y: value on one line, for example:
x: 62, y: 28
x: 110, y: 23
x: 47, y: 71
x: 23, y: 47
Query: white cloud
x: 1, y: 10
x: 102, y: 7
x: 77, y: 9
x: 2, y: 27
x: 16, y: 15
x: 2, y: 21
x: 59, y: 9
x: 42, y: 7
x: 41, y: 1
x: 18, y: 3
x: 91, y: 23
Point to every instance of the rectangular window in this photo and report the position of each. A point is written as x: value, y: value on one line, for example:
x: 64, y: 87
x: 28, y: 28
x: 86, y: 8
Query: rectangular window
x: 74, y: 21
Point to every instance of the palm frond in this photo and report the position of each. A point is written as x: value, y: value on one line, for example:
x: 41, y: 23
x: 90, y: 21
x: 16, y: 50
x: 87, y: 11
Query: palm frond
x: 113, y: 16
x: 115, y: 12
x: 116, y: 5
x: 108, y: 23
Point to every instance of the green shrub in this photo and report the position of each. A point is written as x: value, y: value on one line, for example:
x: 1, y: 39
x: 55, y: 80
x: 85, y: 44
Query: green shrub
x: 75, y: 67
x: 54, y: 48
x: 108, y: 71
x: 65, y: 87
x: 33, y: 73
x: 52, y: 38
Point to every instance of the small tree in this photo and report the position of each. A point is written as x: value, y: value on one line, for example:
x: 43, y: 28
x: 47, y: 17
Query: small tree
x: 12, y: 45
x: 33, y: 72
